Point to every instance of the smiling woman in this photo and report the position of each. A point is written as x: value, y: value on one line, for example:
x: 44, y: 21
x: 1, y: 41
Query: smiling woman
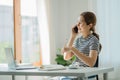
x: 86, y: 47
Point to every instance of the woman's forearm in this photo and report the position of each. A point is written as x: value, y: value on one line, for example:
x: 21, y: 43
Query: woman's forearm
x: 90, y: 61
x: 70, y: 42
x: 68, y: 55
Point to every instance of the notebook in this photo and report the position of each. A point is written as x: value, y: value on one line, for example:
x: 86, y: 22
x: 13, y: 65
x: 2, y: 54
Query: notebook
x: 52, y: 67
x: 12, y: 64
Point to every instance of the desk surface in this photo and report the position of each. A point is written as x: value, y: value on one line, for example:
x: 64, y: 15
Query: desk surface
x: 83, y: 71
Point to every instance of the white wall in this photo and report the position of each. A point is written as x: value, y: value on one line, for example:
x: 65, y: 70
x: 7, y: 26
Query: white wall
x: 64, y: 14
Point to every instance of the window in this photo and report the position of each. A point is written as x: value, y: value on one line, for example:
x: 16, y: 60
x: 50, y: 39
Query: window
x: 19, y: 30
x: 30, y: 31
x: 6, y: 27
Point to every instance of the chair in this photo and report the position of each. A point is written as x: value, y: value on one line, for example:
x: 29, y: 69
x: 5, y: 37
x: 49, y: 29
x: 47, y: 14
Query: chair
x: 96, y: 65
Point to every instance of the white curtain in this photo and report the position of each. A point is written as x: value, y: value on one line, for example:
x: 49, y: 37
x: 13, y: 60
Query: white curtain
x: 46, y: 31
x: 108, y: 23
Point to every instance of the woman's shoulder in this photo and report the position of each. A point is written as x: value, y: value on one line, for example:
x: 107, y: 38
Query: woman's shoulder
x: 78, y: 37
x: 94, y: 39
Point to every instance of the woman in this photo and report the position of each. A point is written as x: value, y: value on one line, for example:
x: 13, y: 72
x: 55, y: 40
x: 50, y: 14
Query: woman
x: 86, y: 46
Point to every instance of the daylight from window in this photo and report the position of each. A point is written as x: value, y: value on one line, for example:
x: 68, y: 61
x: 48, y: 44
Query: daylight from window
x: 6, y: 27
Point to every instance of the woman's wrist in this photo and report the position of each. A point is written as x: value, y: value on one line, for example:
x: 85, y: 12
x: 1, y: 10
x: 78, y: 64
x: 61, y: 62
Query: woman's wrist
x: 71, y: 40
x: 71, y: 48
x: 73, y: 36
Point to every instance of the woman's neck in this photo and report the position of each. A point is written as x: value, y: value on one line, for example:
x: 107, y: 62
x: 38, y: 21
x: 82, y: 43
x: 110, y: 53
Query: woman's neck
x: 86, y: 35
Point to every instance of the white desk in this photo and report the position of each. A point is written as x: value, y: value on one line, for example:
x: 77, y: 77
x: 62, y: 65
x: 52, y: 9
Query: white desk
x: 81, y: 73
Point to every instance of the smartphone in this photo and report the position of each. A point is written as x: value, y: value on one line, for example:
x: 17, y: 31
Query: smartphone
x: 76, y: 29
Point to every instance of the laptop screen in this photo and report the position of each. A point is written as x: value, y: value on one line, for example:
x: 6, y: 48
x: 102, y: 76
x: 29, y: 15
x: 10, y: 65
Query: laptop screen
x: 12, y: 63
x: 10, y: 58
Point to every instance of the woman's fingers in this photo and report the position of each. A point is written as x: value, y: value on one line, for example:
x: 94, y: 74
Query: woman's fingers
x: 62, y: 50
x: 65, y: 49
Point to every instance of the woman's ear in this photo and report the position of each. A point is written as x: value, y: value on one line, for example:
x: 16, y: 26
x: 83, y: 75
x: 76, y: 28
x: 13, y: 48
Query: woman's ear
x: 91, y: 24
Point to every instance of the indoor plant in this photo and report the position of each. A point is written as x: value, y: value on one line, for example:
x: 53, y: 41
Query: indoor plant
x: 60, y: 60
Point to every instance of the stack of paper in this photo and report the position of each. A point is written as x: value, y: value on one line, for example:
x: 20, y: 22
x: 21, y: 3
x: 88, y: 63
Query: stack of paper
x: 52, y: 67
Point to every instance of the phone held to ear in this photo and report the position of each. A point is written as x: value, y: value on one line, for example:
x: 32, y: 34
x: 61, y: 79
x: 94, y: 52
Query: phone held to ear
x: 76, y: 29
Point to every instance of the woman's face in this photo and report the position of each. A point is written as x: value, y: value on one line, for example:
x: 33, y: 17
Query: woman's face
x: 82, y: 26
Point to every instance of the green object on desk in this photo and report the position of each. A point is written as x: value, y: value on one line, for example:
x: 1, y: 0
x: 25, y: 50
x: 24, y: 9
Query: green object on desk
x: 60, y: 60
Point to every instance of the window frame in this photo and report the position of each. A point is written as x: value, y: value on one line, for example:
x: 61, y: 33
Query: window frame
x: 17, y: 31
x: 17, y: 34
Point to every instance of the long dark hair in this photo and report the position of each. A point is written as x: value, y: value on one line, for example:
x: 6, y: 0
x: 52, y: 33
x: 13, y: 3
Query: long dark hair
x: 90, y: 18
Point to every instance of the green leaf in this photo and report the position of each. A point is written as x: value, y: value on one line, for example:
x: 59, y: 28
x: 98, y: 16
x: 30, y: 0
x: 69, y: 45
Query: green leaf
x: 60, y: 60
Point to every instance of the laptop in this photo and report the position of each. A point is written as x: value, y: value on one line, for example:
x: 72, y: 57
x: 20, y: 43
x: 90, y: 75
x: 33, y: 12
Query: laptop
x: 12, y: 64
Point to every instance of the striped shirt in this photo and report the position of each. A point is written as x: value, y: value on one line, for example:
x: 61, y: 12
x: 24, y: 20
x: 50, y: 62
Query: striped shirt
x: 84, y: 45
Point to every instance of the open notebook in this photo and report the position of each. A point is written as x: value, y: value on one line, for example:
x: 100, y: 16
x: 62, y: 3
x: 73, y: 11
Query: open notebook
x: 52, y: 67
x: 12, y: 64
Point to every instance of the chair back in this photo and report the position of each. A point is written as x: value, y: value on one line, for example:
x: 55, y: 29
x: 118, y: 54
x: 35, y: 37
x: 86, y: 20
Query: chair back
x: 97, y: 62
x: 96, y: 65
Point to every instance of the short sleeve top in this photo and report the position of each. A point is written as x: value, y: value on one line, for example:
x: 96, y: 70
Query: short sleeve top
x: 84, y: 45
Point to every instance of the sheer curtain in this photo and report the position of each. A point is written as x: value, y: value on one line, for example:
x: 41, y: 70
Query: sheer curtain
x: 108, y: 23
x: 46, y: 29
x: 30, y: 32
